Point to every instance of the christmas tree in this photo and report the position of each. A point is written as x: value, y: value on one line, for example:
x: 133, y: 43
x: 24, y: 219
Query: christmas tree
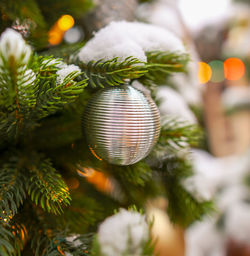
x: 79, y: 128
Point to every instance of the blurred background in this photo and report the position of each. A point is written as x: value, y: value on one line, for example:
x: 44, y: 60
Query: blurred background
x: 220, y: 34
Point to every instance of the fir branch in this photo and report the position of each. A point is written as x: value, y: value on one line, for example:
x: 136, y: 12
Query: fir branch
x: 137, y: 174
x: 17, y: 99
x: 183, y: 207
x: 25, y: 93
x: 12, y: 193
x: 148, y: 248
x: 68, y: 52
x: 54, y: 243
x: 132, y: 181
x: 84, y: 212
x: 52, y: 97
x: 47, y: 188
x: 112, y: 73
x: 161, y: 64
x: 96, y: 248
x: 17, y: 89
x: 8, y: 127
x: 175, y: 135
x: 16, y: 93
x: 6, y: 245
x: 12, y: 237
x: 171, y: 61
x: 178, y: 133
x: 33, y: 97
x: 78, y: 246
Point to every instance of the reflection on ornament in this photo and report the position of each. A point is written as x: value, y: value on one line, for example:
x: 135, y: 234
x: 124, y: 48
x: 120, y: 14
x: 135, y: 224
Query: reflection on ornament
x: 98, y: 179
x: 122, y: 124
x: 94, y: 153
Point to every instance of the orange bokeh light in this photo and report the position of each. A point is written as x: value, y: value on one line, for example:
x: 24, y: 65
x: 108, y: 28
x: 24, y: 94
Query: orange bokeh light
x: 55, y: 35
x: 234, y: 68
x: 65, y: 22
x: 100, y: 180
x: 204, y: 72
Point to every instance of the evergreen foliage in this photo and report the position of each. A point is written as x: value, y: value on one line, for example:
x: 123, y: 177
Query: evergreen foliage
x: 11, y: 239
x: 162, y: 64
x: 112, y: 72
x: 12, y: 190
x: 46, y: 187
x: 43, y: 148
x: 173, y: 172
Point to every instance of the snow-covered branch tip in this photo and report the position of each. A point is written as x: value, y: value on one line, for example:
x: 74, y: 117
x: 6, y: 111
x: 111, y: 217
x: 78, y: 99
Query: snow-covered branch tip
x: 13, y: 48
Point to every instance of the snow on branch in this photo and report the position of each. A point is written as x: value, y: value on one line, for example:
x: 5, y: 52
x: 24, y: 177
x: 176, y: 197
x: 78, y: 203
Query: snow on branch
x: 12, y: 45
x: 124, y: 39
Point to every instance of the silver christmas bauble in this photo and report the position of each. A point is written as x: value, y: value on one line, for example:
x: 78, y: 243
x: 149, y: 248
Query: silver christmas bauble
x: 121, y: 124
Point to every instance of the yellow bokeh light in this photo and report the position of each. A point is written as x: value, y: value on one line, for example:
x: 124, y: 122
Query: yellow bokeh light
x: 65, y: 22
x: 204, y: 72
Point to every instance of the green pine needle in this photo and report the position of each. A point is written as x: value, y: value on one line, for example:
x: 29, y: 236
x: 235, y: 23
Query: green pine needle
x: 11, y: 239
x: 162, y: 64
x: 112, y: 72
x: 47, y: 188
x: 183, y: 207
x: 58, y: 243
x: 12, y: 190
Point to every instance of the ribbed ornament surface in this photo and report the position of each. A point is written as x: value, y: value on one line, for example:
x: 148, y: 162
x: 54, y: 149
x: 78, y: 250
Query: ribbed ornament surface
x: 121, y: 124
